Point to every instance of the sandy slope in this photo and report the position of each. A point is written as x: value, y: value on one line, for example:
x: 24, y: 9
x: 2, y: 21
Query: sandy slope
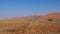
x: 33, y: 25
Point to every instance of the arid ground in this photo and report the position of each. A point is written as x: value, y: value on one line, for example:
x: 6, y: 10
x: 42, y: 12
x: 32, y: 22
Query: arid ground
x: 45, y: 24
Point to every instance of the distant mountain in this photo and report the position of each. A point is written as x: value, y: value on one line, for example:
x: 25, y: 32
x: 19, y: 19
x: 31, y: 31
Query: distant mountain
x: 51, y: 15
x: 46, y: 16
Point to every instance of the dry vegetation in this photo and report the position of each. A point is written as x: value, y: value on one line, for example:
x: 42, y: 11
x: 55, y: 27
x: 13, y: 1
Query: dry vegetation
x: 30, y: 26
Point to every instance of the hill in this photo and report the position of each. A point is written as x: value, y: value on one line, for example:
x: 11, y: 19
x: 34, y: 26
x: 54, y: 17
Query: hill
x: 51, y: 15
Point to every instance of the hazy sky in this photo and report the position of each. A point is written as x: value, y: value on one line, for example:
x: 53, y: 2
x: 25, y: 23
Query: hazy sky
x: 13, y: 8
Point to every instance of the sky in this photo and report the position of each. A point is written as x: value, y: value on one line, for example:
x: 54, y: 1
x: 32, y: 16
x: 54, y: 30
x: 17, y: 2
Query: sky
x: 18, y: 8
